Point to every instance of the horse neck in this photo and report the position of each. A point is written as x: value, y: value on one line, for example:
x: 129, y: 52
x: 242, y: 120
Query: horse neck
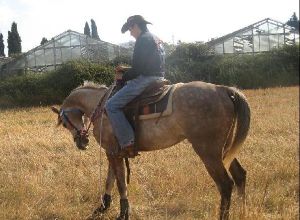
x: 86, y: 99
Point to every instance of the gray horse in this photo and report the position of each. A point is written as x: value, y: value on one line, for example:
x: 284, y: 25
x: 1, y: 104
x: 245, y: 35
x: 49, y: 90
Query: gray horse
x: 214, y: 119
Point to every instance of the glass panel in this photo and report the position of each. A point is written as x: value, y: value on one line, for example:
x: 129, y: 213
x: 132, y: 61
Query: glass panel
x: 256, y: 43
x: 58, y: 56
x: 219, y: 48
x: 273, y: 28
x: 84, y: 52
x: 264, y: 43
x: 65, y: 41
x: 247, y: 32
x: 30, y: 60
x: 273, y: 41
x: 281, y: 39
x: 39, y: 56
x: 50, y: 45
x: 19, y: 64
x: 75, y: 40
x: 76, y: 52
x: 66, y: 54
x: 238, y: 44
x: 49, y: 57
x: 262, y: 29
x: 92, y: 41
x: 83, y: 40
x: 228, y: 46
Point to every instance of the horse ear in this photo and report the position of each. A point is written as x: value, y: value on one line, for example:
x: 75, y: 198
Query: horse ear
x: 55, y: 110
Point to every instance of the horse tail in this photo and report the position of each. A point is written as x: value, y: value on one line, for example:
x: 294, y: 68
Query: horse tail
x: 240, y: 124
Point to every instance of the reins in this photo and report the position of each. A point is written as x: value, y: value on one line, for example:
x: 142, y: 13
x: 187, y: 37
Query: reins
x: 98, y: 112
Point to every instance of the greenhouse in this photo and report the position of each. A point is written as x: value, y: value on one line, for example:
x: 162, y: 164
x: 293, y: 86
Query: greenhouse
x: 259, y: 37
x: 66, y: 46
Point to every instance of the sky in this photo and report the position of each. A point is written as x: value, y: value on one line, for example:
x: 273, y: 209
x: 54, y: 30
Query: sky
x: 173, y: 20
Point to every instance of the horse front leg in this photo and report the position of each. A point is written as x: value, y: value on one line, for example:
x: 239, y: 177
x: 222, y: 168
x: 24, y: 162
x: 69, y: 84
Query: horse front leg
x: 109, y: 185
x: 119, y: 171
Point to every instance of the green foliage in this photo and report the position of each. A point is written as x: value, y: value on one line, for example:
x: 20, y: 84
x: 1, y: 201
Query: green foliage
x: 122, y: 60
x: 94, y: 30
x: 14, y: 41
x: 1, y: 46
x: 192, y: 62
x: 87, y: 30
x: 44, y: 40
x: 188, y: 62
x: 294, y: 21
x: 33, y: 89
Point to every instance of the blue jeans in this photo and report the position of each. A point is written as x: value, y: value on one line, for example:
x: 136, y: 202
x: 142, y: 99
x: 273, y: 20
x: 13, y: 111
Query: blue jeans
x: 114, y: 107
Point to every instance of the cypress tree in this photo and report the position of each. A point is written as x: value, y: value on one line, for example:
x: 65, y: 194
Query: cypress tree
x: 87, y: 30
x: 294, y: 21
x: 2, y: 54
x: 94, y: 30
x: 44, y: 40
x: 14, y: 40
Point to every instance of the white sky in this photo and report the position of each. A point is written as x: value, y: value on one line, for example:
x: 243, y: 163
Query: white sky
x: 188, y: 20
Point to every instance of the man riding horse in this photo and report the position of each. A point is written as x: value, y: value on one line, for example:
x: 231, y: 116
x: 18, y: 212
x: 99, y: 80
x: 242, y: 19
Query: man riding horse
x: 147, y: 67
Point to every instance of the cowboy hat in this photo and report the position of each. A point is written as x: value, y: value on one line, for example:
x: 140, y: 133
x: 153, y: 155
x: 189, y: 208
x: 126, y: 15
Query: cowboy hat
x: 135, y: 19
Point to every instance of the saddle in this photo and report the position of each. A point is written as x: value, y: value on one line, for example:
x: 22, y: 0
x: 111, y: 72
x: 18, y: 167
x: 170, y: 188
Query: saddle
x: 153, y: 99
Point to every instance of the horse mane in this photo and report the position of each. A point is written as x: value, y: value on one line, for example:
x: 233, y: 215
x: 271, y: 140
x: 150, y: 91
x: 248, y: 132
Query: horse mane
x: 72, y: 98
x: 90, y: 85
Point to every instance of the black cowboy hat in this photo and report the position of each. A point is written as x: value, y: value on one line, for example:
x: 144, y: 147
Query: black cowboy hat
x: 135, y: 19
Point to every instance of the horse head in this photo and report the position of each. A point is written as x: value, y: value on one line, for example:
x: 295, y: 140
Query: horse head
x: 77, y: 108
x: 72, y: 119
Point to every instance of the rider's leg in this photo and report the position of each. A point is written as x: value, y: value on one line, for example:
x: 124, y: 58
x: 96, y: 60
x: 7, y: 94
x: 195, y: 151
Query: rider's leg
x: 115, y: 105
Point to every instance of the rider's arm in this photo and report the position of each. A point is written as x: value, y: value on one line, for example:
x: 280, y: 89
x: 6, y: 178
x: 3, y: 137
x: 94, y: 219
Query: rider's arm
x: 143, y: 49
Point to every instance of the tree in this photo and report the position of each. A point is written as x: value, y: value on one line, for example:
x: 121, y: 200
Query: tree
x: 2, y: 54
x: 14, y: 40
x: 294, y: 21
x: 94, y: 30
x: 44, y: 40
x: 87, y: 30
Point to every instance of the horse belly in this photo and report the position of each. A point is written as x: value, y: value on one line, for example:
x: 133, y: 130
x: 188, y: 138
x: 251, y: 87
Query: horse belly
x: 159, y: 133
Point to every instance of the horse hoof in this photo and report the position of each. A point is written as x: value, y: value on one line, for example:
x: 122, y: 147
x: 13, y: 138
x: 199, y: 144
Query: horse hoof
x: 105, y: 204
x: 123, y: 218
x: 124, y: 212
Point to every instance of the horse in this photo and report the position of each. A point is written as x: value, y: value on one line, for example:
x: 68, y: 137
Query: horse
x: 215, y: 119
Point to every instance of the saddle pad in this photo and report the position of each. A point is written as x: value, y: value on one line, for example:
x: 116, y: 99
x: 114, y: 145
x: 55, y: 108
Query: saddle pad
x: 155, y: 107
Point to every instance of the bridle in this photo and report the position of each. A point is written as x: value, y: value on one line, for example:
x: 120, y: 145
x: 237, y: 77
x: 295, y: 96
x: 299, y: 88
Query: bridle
x: 63, y: 114
x: 80, y: 133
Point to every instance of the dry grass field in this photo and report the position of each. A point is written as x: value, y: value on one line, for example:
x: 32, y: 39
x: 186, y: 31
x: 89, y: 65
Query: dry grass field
x: 44, y: 176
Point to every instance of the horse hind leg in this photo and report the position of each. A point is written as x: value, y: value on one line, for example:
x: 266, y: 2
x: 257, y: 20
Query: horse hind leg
x: 216, y: 169
x: 238, y: 174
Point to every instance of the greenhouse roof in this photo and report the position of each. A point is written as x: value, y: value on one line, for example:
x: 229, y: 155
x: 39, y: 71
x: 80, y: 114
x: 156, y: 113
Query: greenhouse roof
x: 63, y: 47
x: 258, y: 37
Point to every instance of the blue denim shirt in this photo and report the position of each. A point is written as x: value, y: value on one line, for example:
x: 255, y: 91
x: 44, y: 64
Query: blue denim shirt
x: 148, y: 57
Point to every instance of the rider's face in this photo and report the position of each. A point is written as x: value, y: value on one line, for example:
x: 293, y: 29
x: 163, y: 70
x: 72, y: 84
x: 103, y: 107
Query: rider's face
x: 135, y: 31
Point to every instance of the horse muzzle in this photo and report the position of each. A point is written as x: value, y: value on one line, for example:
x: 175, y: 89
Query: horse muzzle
x: 81, y: 140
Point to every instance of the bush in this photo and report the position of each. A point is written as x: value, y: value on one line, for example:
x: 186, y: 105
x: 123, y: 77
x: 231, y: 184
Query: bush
x: 279, y: 67
x: 33, y: 89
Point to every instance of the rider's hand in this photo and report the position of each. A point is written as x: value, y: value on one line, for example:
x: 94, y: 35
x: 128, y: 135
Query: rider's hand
x: 119, y: 69
x: 118, y: 75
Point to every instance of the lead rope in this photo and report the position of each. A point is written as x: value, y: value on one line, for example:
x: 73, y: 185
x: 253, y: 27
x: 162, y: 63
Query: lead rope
x: 102, y: 104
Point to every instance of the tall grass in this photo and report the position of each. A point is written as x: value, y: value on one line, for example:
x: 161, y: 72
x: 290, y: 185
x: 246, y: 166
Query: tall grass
x: 44, y: 176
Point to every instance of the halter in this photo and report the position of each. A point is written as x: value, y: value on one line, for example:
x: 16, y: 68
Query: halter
x: 96, y: 113
x: 65, y: 119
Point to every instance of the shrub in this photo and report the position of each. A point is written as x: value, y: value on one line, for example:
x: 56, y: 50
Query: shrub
x: 279, y: 67
x: 33, y: 89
